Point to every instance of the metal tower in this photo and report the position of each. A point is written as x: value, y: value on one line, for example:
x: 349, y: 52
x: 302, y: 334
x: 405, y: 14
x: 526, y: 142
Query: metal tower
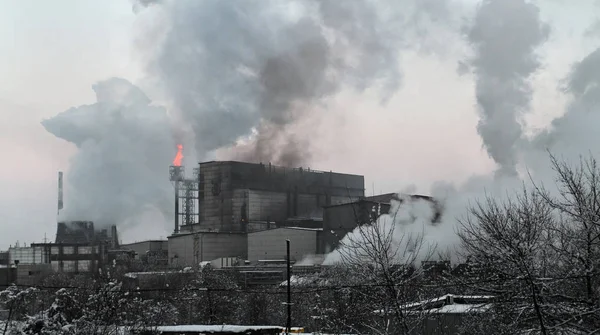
x: 186, y: 197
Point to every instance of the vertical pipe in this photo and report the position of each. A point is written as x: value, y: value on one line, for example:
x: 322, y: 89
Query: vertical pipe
x: 289, y: 290
x: 176, y: 207
x: 60, y: 191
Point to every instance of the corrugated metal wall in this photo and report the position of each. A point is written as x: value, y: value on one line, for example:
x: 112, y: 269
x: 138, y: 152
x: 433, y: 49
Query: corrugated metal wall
x: 270, y: 244
x: 210, y: 246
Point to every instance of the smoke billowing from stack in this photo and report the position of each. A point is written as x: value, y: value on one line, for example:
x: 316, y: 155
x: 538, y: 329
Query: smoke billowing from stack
x: 505, y: 35
x: 125, y: 146
x: 259, y: 67
x: 575, y: 132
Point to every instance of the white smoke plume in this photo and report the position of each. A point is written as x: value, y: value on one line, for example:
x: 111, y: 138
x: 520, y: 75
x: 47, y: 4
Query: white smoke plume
x: 234, y: 69
x: 411, y: 228
x: 120, y: 171
x: 505, y: 35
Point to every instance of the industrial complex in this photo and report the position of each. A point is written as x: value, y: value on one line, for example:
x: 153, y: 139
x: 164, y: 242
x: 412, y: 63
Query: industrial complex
x: 228, y: 214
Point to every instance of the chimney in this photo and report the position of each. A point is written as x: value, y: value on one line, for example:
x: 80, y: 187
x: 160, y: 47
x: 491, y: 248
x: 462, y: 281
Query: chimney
x: 60, y: 190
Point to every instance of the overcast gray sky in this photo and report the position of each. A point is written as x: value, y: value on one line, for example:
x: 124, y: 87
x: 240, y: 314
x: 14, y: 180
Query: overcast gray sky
x: 52, y: 52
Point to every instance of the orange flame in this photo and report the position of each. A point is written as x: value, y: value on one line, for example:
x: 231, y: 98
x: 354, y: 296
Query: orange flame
x: 179, y: 156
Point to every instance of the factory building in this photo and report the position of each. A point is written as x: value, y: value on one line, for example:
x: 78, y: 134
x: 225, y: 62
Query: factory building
x: 152, y: 252
x: 341, y: 219
x: 83, y: 232
x: 235, y: 198
x: 271, y: 244
x: 39, y: 259
x: 188, y: 249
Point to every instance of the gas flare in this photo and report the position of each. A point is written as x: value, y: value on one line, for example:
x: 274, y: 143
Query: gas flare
x: 179, y: 156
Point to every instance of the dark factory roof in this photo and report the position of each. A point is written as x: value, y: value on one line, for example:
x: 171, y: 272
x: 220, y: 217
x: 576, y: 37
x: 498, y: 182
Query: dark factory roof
x: 382, y: 199
x: 296, y: 168
x: 205, y: 231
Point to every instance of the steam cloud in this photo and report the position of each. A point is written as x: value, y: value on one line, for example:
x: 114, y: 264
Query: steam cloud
x: 125, y: 145
x: 235, y: 69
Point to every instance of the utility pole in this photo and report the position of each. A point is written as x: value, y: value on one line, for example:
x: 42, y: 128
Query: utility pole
x: 289, y: 290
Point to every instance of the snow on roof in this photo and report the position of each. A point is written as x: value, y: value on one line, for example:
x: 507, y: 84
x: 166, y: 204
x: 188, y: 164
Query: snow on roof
x: 150, y: 273
x: 446, y: 296
x: 461, y: 308
x: 304, y: 280
x: 303, y: 228
x: 212, y: 329
x: 450, y: 304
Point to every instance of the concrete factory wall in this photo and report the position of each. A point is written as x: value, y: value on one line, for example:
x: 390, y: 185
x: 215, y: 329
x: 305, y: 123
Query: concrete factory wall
x: 32, y: 274
x: 233, y: 191
x: 259, y: 205
x: 270, y: 244
x: 211, y: 245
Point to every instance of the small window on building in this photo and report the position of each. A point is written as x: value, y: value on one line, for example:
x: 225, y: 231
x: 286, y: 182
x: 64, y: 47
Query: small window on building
x: 84, y: 250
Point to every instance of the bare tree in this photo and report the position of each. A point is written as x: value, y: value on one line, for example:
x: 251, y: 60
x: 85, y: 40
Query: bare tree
x: 509, y: 239
x: 385, y: 259
x: 576, y: 204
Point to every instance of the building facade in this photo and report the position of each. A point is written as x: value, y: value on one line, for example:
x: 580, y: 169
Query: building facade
x: 39, y: 259
x: 84, y: 232
x: 236, y: 196
x: 341, y: 219
x: 271, y: 244
x: 154, y: 252
x: 190, y: 249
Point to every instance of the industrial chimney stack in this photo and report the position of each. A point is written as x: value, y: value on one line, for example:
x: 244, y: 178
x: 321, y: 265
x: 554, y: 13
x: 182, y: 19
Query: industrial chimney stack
x: 60, y: 190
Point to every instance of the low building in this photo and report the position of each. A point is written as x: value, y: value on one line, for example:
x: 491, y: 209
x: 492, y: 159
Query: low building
x: 3, y: 258
x: 8, y: 275
x: 271, y: 244
x: 445, y: 314
x: 189, y: 249
x: 153, y: 252
x: 31, y: 274
x: 84, y: 232
x: 39, y: 259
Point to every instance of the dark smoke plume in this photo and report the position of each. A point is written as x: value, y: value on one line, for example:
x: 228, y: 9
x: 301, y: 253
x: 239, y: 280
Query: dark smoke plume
x: 232, y: 68
x: 505, y: 34
x: 125, y: 146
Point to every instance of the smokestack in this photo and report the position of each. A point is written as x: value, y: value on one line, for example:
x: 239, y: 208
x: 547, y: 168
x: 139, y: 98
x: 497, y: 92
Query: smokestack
x: 60, y: 191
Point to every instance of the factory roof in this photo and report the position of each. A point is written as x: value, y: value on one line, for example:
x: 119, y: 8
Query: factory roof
x: 293, y: 228
x: 145, y: 241
x: 304, y: 228
x: 381, y: 199
x: 207, y: 232
x: 297, y: 168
